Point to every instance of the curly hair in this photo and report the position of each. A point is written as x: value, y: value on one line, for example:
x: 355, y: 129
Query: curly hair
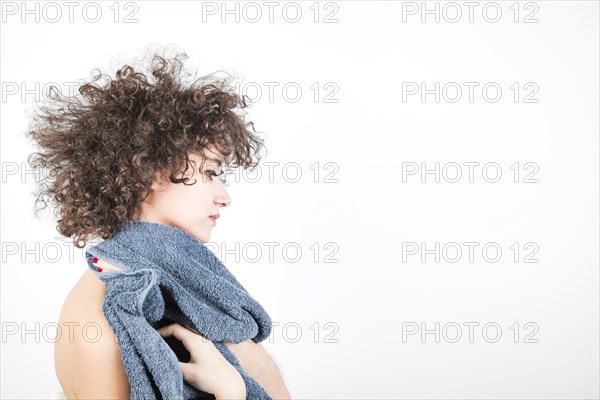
x: 104, y: 146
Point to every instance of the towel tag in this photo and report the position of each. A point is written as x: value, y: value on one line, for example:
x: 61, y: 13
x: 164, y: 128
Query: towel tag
x: 106, y: 266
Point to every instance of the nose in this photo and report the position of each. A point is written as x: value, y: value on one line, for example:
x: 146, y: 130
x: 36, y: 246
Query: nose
x: 222, y: 198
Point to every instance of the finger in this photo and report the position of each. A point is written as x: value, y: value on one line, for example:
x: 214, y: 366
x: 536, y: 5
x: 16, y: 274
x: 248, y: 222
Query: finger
x: 184, y: 335
x: 166, y: 331
x: 169, y: 331
x: 186, y: 371
x: 177, y: 329
x: 193, y: 376
x: 180, y: 332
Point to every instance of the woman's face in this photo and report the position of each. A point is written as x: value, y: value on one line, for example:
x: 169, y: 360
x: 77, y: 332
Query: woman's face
x: 190, y: 206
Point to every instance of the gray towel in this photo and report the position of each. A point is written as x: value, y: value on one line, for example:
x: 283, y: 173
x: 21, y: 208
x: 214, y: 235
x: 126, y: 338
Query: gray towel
x: 167, y: 275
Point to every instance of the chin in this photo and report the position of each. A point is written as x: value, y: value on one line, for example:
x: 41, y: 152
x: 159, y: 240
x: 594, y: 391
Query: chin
x: 203, y: 236
x: 204, y: 240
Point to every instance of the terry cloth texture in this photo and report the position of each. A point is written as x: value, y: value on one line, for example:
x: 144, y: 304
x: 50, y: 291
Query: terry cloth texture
x: 167, y: 275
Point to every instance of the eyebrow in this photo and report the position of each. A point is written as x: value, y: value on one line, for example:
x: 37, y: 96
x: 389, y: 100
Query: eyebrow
x: 218, y: 161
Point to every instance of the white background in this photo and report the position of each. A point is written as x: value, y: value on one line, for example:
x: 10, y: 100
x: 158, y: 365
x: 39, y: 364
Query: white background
x: 370, y: 294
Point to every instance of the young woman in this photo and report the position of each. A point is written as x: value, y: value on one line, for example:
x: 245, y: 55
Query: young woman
x: 152, y: 151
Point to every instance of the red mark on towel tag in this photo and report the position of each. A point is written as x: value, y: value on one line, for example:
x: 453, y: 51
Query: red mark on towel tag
x: 95, y: 260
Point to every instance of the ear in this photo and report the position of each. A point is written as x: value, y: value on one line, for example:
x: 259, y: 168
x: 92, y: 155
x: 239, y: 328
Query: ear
x: 159, y: 182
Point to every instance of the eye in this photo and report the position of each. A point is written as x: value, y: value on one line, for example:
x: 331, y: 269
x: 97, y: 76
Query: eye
x: 211, y: 173
x: 220, y: 175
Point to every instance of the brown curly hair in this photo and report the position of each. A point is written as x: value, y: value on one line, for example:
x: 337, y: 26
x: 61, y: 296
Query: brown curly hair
x: 104, y: 146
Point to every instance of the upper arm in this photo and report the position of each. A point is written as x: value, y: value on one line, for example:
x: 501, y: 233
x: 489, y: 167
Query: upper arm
x: 100, y: 370
x: 270, y: 376
x: 88, y: 360
x: 260, y: 366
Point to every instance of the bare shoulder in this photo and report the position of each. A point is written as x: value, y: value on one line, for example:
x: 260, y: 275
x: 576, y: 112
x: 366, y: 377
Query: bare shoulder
x: 87, y: 358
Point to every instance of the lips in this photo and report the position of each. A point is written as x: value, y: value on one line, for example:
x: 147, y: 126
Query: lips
x: 214, y: 217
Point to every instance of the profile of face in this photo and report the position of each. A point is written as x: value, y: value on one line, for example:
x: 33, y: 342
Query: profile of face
x: 192, y: 207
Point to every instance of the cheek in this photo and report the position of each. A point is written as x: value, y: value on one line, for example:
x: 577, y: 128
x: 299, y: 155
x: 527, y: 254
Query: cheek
x: 199, y: 197
x: 188, y: 200
x: 175, y: 201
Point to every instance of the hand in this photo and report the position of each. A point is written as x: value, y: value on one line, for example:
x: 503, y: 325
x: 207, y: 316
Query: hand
x: 207, y: 370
